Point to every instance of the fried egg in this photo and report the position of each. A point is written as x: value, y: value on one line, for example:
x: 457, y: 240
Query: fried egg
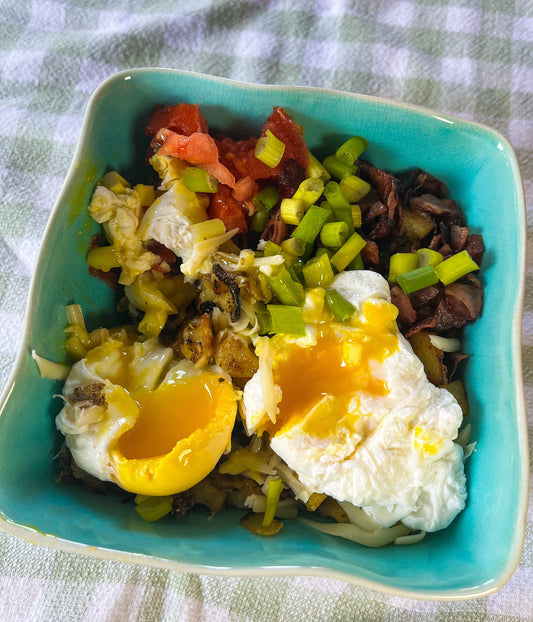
x: 135, y: 417
x: 349, y: 408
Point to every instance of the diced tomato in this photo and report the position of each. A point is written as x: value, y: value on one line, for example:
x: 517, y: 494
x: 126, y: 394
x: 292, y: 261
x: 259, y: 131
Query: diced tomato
x: 239, y: 156
x: 183, y: 119
x: 228, y: 209
x: 198, y: 149
x: 245, y: 189
x: 290, y: 133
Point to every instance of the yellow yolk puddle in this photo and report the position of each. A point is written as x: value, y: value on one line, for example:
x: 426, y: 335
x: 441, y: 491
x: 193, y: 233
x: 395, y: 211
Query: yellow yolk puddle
x: 167, y: 415
x: 339, y: 365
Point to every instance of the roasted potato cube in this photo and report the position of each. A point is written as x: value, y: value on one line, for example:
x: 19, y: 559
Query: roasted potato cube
x: 431, y: 357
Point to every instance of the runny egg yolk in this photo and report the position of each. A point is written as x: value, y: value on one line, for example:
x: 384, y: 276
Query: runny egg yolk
x: 327, y: 376
x: 168, y: 438
x: 167, y: 415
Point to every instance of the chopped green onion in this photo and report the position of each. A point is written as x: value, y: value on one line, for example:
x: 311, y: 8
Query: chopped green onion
x: 356, y: 263
x: 294, y: 246
x: 400, y: 263
x: 266, y: 199
x: 334, y: 234
x: 269, y: 149
x: 286, y: 319
x: 354, y: 188
x: 349, y: 151
x: 318, y: 271
x: 295, y: 270
x: 309, y: 191
x: 321, y: 251
x: 339, y: 204
x: 335, y: 197
x: 154, y: 508
x: 316, y: 170
x: 199, y: 180
x: 356, y: 216
x: 427, y: 257
x: 339, y: 306
x: 347, y: 252
x: 263, y: 319
x: 259, y: 220
x: 338, y: 169
x: 312, y: 222
x: 455, y: 267
x: 417, y: 279
x: 207, y: 229
x: 287, y: 291
x: 271, y: 248
x: 273, y: 493
x: 292, y: 211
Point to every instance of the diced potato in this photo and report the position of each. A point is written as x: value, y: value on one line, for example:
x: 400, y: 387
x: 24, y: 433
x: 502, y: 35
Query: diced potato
x: 457, y: 389
x: 416, y: 225
x: 431, y: 358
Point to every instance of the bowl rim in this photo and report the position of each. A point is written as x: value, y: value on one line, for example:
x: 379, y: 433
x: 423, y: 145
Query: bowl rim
x: 34, y: 536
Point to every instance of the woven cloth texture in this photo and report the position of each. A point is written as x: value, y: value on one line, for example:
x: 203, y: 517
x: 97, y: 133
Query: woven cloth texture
x: 471, y: 58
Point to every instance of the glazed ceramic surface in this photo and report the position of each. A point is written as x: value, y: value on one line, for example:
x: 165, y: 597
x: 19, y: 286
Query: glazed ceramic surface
x: 480, y: 550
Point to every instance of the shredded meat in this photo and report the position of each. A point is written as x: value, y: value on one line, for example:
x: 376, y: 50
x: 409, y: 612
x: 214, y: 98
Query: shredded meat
x: 406, y: 313
x: 88, y: 396
x: 370, y: 253
x: 430, y: 203
x: 462, y: 304
x: 292, y: 175
x: 276, y: 228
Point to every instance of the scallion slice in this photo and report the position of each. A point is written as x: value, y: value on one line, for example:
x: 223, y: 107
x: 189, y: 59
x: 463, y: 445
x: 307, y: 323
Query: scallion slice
x: 309, y: 191
x: 267, y: 198
x: 338, y: 169
x: 354, y: 188
x: 271, y: 248
x: 311, y: 223
x: 286, y: 319
x: 417, y: 279
x: 287, y: 291
x: 292, y: 211
x: 269, y: 149
x: 259, y: 220
x: 428, y: 257
x: 199, y: 180
x: 207, y: 229
x: 273, y: 493
x: 400, y: 263
x: 293, y: 246
x: 347, y: 252
x: 316, y: 170
x: 334, y: 234
x: 339, y: 306
x: 349, y: 151
x: 455, y: 267
x: 356, y: 216
x: 318, y: 271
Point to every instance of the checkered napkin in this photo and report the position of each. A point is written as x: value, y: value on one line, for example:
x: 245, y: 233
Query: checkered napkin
x: 472, y: 58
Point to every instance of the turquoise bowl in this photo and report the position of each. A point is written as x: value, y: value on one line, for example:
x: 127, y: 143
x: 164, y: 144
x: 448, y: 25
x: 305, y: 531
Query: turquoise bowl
x: 481, y: 549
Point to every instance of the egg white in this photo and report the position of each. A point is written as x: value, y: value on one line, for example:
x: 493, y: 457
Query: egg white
x: 399, y: 461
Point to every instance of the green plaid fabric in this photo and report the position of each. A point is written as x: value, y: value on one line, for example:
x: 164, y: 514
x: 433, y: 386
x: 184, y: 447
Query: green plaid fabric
x: 472, y: 58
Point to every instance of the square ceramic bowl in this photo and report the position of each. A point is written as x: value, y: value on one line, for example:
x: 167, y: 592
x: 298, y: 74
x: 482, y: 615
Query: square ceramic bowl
x: 481, y: 549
